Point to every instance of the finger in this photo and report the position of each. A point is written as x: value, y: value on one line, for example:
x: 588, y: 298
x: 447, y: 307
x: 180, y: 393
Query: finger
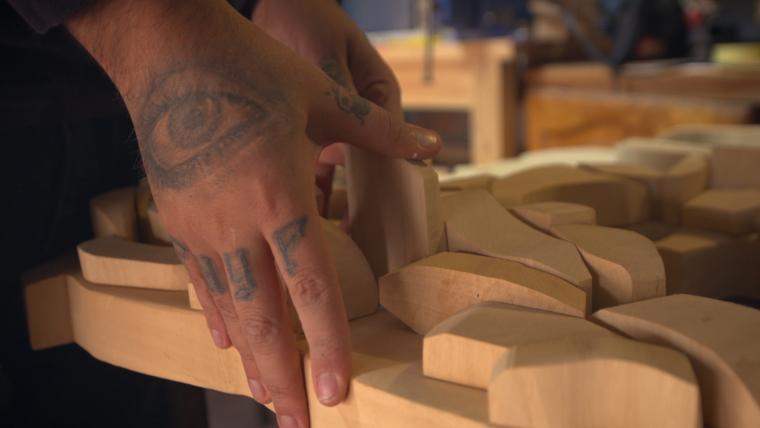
x: 216, y: 287
x: 309, y: 275
x: 259, y: 302
x: 214, y: 319
x: 372, y: 76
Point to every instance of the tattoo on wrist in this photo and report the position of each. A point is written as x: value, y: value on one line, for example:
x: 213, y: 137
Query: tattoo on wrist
x: 211, y: 276
x: 287, y: 237
x: 194, y: 120
x: 238, y: 264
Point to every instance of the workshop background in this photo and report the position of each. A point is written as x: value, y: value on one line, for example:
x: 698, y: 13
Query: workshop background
x: 497, y: 78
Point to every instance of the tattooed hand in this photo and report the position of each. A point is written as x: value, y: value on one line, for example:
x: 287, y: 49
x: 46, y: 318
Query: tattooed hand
x: 230, y: 123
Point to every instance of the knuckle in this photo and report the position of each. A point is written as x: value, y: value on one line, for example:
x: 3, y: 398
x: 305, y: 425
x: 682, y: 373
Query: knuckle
x: 226, y: 308
x: 309, y: 288
x: 260, y: 331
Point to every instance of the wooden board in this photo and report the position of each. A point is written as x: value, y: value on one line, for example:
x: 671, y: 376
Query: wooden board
x: 545, y: 215
x: 464, y: 348
x: 626, y: 266
x: 430, y: 290
x: 617, y: 201
x: 114, y: 213
x: 394, y: 209
x: 724, y: 210
x: 711, y: 264
x: 653, y: 230
x: 596, y: 381
x: 736, y: 166
x: 719, y: 337
x: 476, y: 223
x: 479, y: 181
x: 115, y: 261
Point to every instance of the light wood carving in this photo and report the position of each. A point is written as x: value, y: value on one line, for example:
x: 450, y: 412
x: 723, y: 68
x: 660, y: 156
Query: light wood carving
x: 476, y: 223
x: 114, y: 213
x: 626, y: 266
x: 719, y: 337
x: 730, y: 211
x: 617, y: 201
x: 736, y: 166
x: 545, y: 215
x: 428, y: 291
x: 596, y: 381
x: 464, y: 348
x: 479, y: 181
x: 653, y: 230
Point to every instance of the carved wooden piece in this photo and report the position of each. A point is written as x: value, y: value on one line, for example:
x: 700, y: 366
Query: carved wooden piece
x: 719, y: 337
x: 617, y: 201
x: 480, y: 181
x: 653, y: 230
x: 545, y: 215
x: 736, y: 166
x: 597, y: 381
x: 428, y: 291
x: 464, y: 348
x: 476, y: 223
x: 626, y: 266
x: 730, y: 211
x: 114, y: 261
x: 114, y: 213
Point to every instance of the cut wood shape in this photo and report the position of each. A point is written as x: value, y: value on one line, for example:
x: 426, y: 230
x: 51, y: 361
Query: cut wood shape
x: 355, y: 278
x: 682, y: 182
x: 115, y: 261
x: 626, y: 266
x: 736, y: 166
x: 657, y: 154
x: 479, y: 181
x: 594, y: 381
x: 728, y: 211
x: 710, y: 135
x: 430, y: 290
x: 719, y: 337
x: 394, y: 209
x: 617, y: 201
x: 653, y: 230
x: 114, y: 213
x: 476, y: 223
x: 545, y: 215
x: 156, y: 227
x: 711, y: 264
x: 465, y: 347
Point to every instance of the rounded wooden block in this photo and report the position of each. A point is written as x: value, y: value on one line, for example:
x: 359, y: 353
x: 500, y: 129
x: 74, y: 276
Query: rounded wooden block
x: 114, y: 213
x: 428, y: 291
x: 719, y: 337
x: 589, y: 382
x: 728, y: 211
x: 545, y: 215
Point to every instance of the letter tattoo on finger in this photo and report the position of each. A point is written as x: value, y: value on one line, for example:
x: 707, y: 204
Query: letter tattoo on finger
x: 287, y: 237
x: 238, y: 266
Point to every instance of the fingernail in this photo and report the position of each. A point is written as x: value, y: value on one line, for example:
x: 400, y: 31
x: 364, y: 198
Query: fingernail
x: 286, y: 421
x: 218, y: 339
x: 259, y: 393
x: 327, y: 388
x: 424, y: 137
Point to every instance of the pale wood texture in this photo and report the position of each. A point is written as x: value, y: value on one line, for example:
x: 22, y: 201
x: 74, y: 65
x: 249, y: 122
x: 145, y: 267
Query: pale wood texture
x: 476, y: 223
x: 711, y: 264
x: 115, y: 261
x: 736, y: 166
x: 730, y: 211
x: 430, y: 290
x: 464, y: 348
x: 545, y: 215
x: 114, y: 213
x: 719, y: 337
x: 594, y: 381
x: 711, y: 135
x: 617, y: 201
x: 479, y: 181
x: 394, y: 209
x: 626, y: 266
x: 654, y: 230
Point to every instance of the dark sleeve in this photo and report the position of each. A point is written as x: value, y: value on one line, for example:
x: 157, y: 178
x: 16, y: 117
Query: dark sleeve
x: 42, y: 15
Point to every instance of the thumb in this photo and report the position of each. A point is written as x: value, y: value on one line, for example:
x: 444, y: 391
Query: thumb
x: 341, y: 115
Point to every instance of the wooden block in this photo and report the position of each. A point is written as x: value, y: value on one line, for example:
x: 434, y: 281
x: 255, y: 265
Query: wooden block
x: 719, y: 337
x: 711, y: 264
x: 545, y: 215
x: 156, y: 228
x: 736, y: 166
x: 394, y: 209
x: 724, y: 210
x: 658, y: 154
x: 114, y: 261
x: 594, y: 381
x: 626, y: 266
x: 114, y: 213
x: 479, y: 181
x: 653, y: 230
x: 476, y: 223
x: 712, y: 135
x: 617, y: 201
x: 46, y: 297
x: 464, y: 348
x: 430, y: 290
x: 685, y: 180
